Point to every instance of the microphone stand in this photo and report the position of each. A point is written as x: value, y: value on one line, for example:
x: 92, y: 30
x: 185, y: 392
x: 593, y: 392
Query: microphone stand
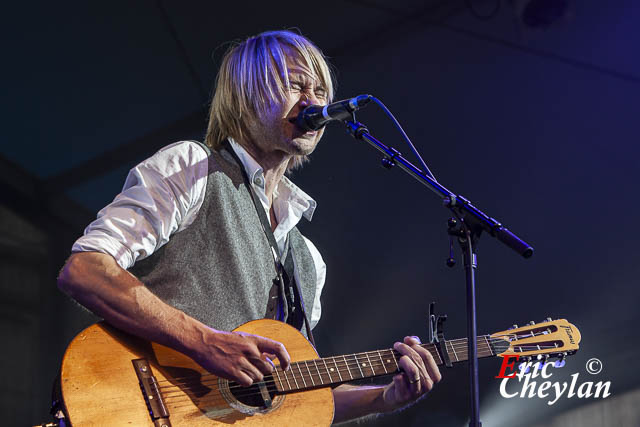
x: 471, y: 222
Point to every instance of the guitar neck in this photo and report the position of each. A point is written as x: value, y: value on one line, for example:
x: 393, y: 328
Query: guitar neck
x: 336, y: 370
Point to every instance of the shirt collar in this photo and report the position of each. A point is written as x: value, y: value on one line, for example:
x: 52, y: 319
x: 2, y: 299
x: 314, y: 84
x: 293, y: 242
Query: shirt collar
x: 286, y: 191
x: 251, y: 167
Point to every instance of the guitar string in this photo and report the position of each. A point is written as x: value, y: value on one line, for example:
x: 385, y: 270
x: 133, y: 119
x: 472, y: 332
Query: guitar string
x: 354, y: 355
x: 350, y: 366
x: 185, y: 402
x: 326, y: 373
x: 176, y: 400
x: 458, y: 349
x: 309, y: 379
x: 320, y: 374
x: 453, y: 344
x: 185, y: 398
x: 353, y: 362
x: 172, y: 400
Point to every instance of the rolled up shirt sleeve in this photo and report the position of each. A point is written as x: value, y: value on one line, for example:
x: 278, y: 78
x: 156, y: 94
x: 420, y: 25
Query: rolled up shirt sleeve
x: 161, y: 196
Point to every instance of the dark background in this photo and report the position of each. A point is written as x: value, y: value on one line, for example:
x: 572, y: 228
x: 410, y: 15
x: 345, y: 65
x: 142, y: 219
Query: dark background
x: 539, y: 128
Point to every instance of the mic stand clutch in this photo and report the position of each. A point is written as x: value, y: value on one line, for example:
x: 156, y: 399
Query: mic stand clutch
x: 471, y: 222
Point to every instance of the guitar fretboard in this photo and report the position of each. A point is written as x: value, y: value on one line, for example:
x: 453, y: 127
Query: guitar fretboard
x: 314, y: 373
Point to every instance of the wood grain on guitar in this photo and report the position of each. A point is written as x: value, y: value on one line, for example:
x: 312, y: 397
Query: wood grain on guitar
x: 111, y: 378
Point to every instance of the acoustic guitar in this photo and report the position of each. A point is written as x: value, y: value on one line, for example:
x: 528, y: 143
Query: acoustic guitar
x: 112, y: 378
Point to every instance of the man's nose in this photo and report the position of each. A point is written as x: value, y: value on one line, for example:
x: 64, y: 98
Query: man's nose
x: 307, y: 99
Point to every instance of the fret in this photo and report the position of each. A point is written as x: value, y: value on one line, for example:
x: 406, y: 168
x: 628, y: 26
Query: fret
x: 487, y: 341
x: 337, y: 369
x: 393, y: 356
x: 310, y: 374
x: 383, y: 364
x: 327, y: 368
x: 347, y: 365
x: 287, y: 379
x: 373, y: 372
x: 431, y: 348
x: 359, y: 368
x: 454, y: 350
x: 279, y: 380
x: 319, y: 374
x: 301, y: 375
x: 294, y: 377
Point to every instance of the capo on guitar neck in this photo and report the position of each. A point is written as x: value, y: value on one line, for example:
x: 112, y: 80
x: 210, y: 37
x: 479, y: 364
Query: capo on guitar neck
x: 436, y: 334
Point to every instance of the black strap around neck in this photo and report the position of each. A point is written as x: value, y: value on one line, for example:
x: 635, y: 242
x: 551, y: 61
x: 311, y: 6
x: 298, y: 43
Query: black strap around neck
x: 286, y: 290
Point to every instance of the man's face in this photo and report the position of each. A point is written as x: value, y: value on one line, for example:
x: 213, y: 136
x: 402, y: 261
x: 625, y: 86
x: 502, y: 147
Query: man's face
x: 273, y: 131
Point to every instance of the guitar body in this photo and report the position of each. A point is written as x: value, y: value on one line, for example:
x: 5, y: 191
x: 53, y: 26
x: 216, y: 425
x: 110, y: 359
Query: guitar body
x: 100, y: 385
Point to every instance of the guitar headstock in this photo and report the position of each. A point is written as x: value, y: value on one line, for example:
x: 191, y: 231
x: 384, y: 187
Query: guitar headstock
x: 547, y: 339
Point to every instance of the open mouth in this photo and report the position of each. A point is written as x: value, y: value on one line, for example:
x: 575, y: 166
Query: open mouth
x: 293, y: 120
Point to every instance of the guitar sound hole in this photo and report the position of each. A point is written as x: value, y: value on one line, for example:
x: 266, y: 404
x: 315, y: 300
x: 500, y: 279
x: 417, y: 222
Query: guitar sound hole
x: 252, y: 396
x: 257, y: 398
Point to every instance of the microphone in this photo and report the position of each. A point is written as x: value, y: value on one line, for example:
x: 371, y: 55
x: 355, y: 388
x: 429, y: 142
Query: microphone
x: 315, y: 117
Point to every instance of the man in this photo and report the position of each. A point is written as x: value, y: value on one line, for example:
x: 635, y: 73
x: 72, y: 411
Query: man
x: 182, y: 255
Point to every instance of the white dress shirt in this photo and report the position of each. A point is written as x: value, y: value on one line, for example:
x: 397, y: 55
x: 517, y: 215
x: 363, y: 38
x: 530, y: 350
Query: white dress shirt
x: 162, y: 196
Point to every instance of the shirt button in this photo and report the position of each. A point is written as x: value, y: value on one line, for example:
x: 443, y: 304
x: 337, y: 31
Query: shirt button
x: 259, y: 181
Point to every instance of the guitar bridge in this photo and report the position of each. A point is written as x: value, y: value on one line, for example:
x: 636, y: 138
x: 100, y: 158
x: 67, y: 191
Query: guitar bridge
x: 151, y: 393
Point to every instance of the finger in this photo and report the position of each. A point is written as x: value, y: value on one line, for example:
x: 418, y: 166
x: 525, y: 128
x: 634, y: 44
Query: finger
x: 267, y: 358
x: 274, y: 347
x: 412, y: 340
x: 412, y: 375
x: 429, y: 363
x: 261, y: 363
x: 251, y: 371
x: 401, y: 388
x: 410, y: 352
x: 242, y: 378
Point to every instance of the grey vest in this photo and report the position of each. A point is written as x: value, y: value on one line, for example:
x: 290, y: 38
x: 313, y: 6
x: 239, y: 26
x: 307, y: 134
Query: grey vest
x: 219, y: 269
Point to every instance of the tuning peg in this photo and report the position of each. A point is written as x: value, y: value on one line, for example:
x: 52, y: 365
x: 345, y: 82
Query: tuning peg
x: 548, y: 319
x: 514, y: 326
x: 559, y: 363
x: 532, y: 322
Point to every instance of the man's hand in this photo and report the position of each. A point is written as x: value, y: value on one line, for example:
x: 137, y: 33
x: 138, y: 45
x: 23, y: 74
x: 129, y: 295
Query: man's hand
x: 239, y: 356
x: 419, y: 375
x: 96, y: 281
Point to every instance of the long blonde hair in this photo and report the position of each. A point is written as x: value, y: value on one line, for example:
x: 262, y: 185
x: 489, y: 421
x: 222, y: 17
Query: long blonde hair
x: 253, y: 75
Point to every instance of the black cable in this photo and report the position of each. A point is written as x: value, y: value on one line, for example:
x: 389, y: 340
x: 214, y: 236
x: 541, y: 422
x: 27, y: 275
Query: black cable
x: 406, y: 138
